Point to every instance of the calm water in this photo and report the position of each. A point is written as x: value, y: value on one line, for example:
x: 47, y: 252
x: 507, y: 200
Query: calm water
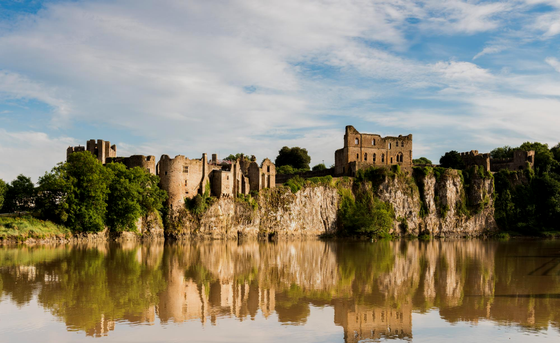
x: 464, y: 291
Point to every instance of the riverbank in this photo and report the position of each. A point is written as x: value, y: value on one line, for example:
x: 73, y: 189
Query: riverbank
x: 30, y: 230
x: 22, y: 228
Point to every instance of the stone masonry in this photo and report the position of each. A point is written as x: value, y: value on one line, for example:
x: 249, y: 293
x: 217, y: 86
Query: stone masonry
x: 182, y: 177
x: 520, y: 160
x: 363, y: 150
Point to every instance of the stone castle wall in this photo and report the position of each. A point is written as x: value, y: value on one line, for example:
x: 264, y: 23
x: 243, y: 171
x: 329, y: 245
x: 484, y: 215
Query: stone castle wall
x: 372, y: 150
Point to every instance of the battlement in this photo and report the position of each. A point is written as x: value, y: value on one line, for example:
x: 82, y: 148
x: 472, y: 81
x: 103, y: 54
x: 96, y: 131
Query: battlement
x: 100, y: 149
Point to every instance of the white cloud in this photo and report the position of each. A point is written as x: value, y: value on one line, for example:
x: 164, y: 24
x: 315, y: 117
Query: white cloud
x: 554, y: 63
x: 176, y: 73
x: 490, y: 50
x: 30, y: 153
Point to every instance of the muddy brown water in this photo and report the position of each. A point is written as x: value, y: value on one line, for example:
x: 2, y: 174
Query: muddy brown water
x: 308, y: 291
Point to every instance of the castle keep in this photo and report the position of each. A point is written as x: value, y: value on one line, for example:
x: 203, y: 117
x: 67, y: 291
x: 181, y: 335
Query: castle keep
x: 182, y: 177
x: 363, y: 150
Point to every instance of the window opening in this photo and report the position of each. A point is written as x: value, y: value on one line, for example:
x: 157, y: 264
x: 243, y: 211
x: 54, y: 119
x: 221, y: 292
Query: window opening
x: 357, y: 141
x: 365, y: 156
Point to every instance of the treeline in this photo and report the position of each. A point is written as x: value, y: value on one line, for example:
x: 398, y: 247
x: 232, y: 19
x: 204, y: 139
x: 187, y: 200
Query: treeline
x: 526, y: 201
x: 86, y: 196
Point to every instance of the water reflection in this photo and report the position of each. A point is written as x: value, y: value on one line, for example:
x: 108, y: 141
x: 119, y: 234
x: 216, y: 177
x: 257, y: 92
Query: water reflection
x: 374, y: 288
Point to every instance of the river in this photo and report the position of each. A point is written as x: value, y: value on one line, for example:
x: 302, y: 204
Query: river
x: 300, y: 291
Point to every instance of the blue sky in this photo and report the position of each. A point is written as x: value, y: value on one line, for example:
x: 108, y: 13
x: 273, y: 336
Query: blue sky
x: 187, y: 77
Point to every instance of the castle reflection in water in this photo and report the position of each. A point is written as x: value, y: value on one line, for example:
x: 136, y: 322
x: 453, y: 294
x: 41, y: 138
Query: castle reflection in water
x: 374, y: 288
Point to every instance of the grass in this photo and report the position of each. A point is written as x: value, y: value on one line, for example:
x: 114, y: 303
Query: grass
x: 22, y: 228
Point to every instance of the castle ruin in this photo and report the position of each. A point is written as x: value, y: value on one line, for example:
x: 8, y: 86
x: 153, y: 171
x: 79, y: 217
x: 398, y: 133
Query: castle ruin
x: 182, y: 177
x: 363, y: 150
x: 520, y: 160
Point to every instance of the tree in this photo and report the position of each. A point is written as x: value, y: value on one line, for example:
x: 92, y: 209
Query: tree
x: 421, y: 160
x: 296, y: 157
x: 320, y: 166
x: 51, y: 195
x: 233, y: 158
x: 85, y: 183
x: 452, y: 159
x: 502, y: 153
x: 20, y: 195
x: 544, y: 158
x: 3, y: 189
x: 133, y: 193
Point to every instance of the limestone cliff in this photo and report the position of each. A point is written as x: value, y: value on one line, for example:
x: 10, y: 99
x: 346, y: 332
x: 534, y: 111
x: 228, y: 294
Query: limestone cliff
x: 310, y: 212
x: 440, y: 206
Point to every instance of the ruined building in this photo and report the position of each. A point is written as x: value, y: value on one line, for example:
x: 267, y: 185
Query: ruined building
x: 363, y: 150
x: 182, y: 177
x: 100, y: 149
x: 520, y: 160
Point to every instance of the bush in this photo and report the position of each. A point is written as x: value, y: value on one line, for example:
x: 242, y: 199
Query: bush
x: 320, y: 166
x: 365, y: 214
x: 200, y: 203
x: 295, y: 183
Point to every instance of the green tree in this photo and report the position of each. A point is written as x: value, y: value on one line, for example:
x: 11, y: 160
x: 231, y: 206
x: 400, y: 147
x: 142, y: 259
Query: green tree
x: 86, y: 182
x: 133, y: 193
x: 51, y: 196
x: 20, y: 195
x: 452, y: 159
x: 421, y: 160
x: 296, y: 157
x: 544, y: 158
x: 233, y: 158
x: 503, y: 152
x: 3, y: 189
x: 320, y: 166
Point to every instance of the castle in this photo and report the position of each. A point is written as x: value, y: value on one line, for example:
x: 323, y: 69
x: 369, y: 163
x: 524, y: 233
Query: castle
x: 363, y: 150
x: 520, y: 160
x: 182, y: 177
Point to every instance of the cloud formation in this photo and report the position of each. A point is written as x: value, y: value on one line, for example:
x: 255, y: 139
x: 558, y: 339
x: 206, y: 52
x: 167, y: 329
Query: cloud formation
x: 180, y: 77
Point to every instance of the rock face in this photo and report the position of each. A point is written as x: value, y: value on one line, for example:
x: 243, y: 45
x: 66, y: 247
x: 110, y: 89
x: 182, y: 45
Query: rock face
x: 310, y: 212
x: 442, y: 207
x: 450, y: 208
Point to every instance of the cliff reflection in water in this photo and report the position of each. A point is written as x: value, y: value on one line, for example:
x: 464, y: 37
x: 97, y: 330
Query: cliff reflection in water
x: 373, y: 287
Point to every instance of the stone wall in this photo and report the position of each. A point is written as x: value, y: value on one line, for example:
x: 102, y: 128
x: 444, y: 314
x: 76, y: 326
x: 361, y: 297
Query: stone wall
x: 147, y: 163
x: 372, y: 150
x: 473, y: 158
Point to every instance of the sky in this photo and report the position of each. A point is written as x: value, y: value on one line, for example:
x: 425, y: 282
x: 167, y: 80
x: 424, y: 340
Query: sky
x: 183, y: 77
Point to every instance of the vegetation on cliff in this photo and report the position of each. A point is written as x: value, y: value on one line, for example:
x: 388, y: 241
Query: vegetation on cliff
x: 527, y: 201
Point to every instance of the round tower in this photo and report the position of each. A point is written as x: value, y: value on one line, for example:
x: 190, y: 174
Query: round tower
x: 172, y: 180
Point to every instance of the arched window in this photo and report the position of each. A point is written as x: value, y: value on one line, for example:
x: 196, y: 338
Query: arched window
x: 357, y: 141
x: 389, y: 146
x: 391, y: 160
x: 374, y: 157
x: 365, y: 156
x: 382, y: 158
x: 373, y: 141
x: 358, y: 157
